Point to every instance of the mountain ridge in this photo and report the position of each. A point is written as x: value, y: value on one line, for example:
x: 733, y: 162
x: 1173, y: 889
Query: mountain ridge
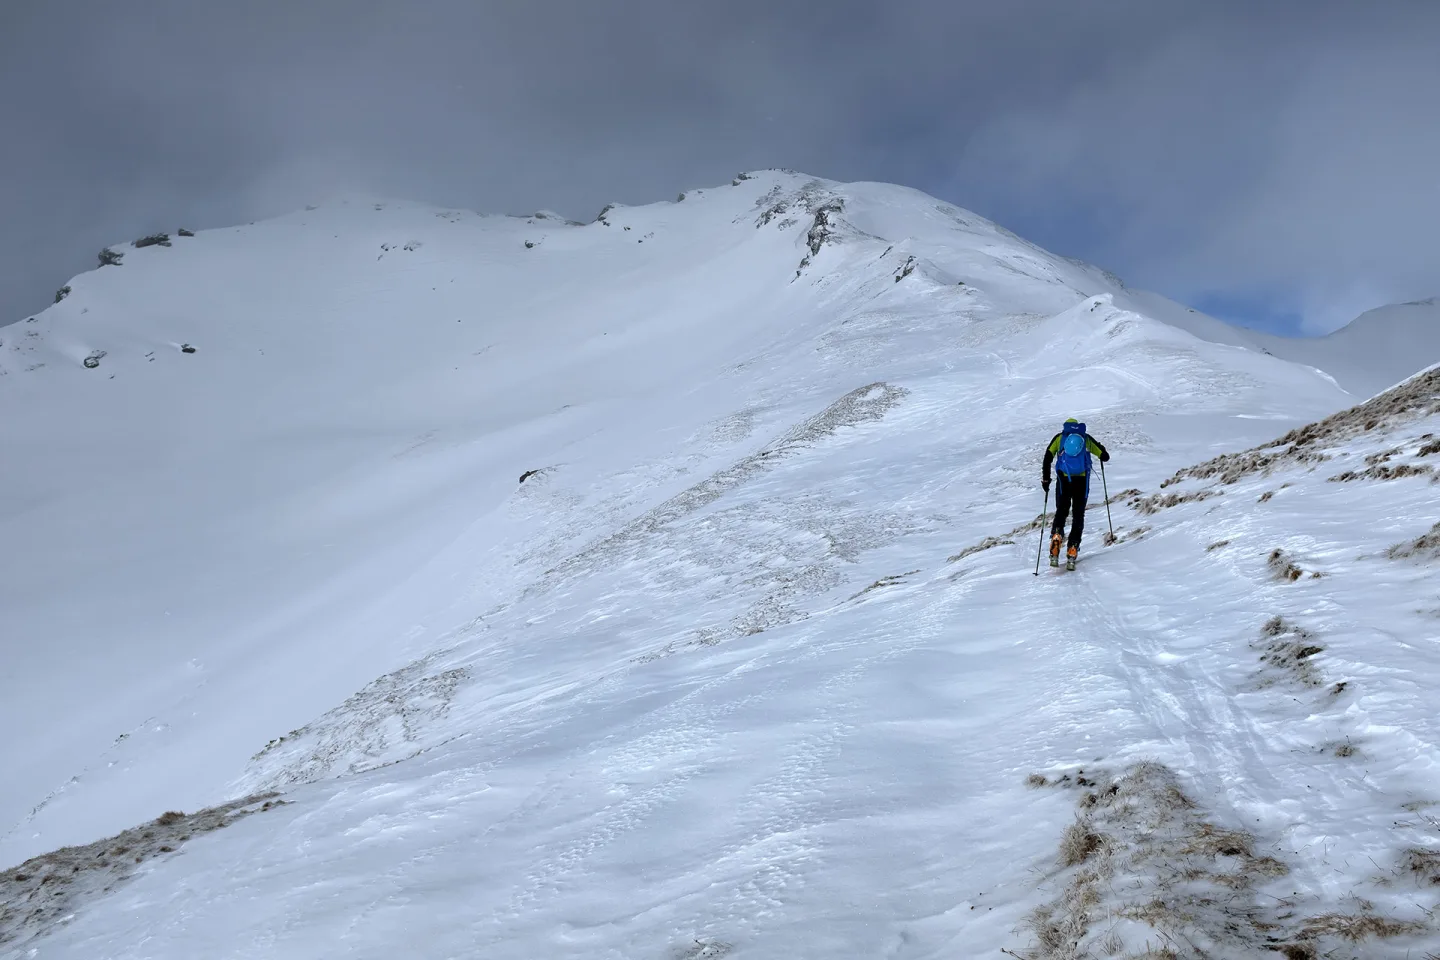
x: 1386, y: 339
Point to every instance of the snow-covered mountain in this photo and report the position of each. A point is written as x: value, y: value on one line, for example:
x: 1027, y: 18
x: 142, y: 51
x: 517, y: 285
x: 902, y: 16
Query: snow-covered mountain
x: 1373, y: 351
x: 663, y: 587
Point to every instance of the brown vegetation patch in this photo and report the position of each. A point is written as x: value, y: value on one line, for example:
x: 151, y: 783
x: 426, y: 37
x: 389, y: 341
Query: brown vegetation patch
x: 1006, y: 539
x: 1423, y: 865
x: 1142, y: 851
x: 1125, y: 536
x: 1161, y: 501
x: 888, y: 581
x: 43, y: 890
x: 1287, y: 653
x: 1146, y: 873
x: 1426, y: 546
x: 1079, y: 843
x: 1355, y: 928
x: 1079, y: 779
x: 1124, y: 495
x: 1282, y: 567
x: 985, y: 544
x: 1415, y: 398
x: 1384, y: 472
x: 1211, y: 841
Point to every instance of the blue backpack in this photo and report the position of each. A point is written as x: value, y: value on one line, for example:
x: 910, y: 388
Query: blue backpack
x: 1074, y: 459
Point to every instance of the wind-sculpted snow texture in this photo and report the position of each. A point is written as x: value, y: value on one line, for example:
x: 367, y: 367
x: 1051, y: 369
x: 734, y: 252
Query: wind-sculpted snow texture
x: 859, y: 406
x: 375, y: 726
x: 752, y: 662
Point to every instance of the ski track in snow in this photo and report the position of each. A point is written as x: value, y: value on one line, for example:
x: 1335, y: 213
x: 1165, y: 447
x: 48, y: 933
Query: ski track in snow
x: 758, y: 714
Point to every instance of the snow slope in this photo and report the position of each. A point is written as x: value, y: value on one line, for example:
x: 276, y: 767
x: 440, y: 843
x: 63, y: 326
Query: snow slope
x: 754, y: 664
x: 1373, y: 351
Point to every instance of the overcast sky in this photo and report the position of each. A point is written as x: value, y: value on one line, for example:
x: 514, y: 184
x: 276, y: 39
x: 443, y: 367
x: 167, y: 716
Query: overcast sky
x: 1276, y: 163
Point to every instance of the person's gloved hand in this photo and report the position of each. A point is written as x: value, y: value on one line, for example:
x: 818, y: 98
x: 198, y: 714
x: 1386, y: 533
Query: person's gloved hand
x: 1045, y: 485
x: 1105, y: 457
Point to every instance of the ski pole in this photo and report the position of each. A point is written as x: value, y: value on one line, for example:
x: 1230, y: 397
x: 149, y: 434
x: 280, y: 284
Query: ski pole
x: 1106, y: 488
x: 1044, y: 515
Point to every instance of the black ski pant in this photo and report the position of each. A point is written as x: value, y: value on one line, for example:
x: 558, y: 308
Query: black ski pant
x: 1070, y: 493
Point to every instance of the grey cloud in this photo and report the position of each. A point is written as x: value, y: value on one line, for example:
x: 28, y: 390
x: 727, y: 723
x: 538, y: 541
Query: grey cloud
x: 1185, y: 145
x: 1291, y: 160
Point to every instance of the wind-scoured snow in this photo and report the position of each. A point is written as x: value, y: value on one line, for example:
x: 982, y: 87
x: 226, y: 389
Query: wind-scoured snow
x: 753, y: 661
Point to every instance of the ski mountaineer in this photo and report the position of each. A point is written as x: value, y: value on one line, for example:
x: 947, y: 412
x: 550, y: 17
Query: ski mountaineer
x: 1070, y: 450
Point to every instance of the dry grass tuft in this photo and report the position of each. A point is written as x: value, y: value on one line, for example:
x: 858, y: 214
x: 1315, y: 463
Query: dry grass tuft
x: 1423, y: 865
x: 1123, y: 495
x: 985, y: 544
x: 1036, y: 780
x: 1003, y: 540
x: 1266, y: 867
x: 1211, y: 841
x: 1290, y: 650
x: 1425, y: 546
x: 1056, y: 938
x: 1000, y: 541
x: 892, y: 580
x: 1162, y: 501
x: 1357, y: 928
x: 1217, y: 545
x: 1079, y: 843
x: 1282, y: 567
